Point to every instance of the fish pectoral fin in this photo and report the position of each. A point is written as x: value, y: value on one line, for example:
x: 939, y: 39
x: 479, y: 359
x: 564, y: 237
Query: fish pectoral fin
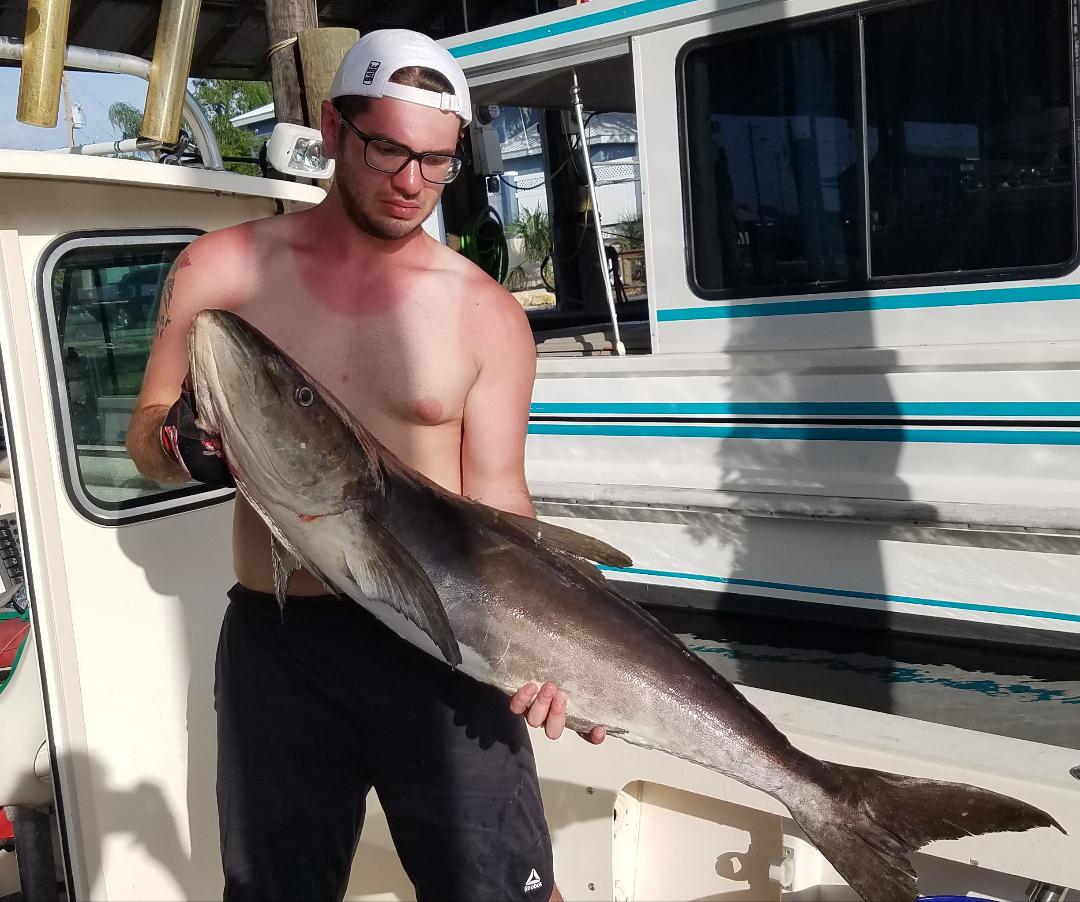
x: 581, y: 725
x: 383, y: 569
x: 288, y: 553
x: 284, y: 563
x: 568, y: 541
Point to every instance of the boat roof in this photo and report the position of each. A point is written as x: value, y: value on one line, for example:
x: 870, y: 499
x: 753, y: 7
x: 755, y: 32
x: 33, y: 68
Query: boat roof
x: 231, y: 39
x: 35, y: 164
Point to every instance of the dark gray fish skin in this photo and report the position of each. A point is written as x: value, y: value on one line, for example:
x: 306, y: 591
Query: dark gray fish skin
x: 511, y: 600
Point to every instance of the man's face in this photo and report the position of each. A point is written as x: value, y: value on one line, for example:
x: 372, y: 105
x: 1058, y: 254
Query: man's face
x: 384, y: 204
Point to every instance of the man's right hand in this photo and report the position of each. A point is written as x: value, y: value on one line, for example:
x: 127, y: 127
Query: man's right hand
x: 197, y: 451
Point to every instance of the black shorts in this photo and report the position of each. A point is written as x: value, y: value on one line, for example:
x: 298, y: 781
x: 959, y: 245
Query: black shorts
x: 315, y: 711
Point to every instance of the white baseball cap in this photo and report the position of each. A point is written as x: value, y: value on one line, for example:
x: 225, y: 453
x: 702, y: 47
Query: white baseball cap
x: 366, y: 69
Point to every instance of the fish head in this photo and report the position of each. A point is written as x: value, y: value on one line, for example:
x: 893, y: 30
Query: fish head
x: 285, y: 436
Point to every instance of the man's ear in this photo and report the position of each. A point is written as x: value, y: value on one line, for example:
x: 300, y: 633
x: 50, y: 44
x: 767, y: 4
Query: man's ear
x: 330, y: 127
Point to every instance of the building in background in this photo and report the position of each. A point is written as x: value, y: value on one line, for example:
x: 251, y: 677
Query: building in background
x: 612, y: 139
x: 259, y: 121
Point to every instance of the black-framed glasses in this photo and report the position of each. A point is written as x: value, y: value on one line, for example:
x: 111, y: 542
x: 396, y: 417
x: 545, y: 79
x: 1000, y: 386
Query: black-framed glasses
x: 389, y: 156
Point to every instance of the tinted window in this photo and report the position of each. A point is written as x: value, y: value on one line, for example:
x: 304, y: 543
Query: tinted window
x: 105, y: 299
x: 969, y: 109
x: 968, y: 143
x: 772, y: 146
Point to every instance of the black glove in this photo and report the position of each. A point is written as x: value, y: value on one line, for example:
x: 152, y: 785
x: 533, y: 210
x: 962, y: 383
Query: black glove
x: 197, y: 451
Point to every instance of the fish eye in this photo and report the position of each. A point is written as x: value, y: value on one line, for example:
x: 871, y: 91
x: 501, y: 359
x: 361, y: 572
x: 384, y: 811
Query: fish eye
x: 305, y: 397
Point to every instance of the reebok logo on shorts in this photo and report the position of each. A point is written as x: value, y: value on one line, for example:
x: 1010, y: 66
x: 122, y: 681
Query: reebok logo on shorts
x: 534, y: 881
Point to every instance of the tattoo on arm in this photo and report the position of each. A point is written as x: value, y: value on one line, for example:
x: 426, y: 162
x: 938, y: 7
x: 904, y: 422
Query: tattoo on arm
x: 165, y: 308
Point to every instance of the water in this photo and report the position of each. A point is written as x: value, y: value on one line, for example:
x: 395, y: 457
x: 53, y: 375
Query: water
x: 1033, y: 695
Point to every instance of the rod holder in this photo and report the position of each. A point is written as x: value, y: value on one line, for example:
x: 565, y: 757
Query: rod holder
x: 43, y: 62
x: 169, y: 70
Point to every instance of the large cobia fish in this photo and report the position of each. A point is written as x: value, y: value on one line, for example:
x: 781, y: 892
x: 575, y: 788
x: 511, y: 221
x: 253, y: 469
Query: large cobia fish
x: 509, y: 600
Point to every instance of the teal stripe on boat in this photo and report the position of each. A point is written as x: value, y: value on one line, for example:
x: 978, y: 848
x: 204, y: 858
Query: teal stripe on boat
x: 821, y: 408
x: 848, y: 593
x: 866, y: 303
x: 566, y: 26
x: 820, y: 434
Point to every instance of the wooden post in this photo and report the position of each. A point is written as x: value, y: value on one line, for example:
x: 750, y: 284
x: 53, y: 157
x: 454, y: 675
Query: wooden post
x: 321, y: 52
x: 285, y: 19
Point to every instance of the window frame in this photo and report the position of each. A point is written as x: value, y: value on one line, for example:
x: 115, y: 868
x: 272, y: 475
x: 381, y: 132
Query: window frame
x: 132, y: 510
x: 856, y: 15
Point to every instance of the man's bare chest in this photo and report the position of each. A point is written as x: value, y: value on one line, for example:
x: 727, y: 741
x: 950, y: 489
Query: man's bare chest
x: 405, y: 365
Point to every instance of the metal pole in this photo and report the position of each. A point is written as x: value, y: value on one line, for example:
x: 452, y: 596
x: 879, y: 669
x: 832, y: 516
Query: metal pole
x: 107, y: 148
x: 575, y: 93
x: 67, y: 108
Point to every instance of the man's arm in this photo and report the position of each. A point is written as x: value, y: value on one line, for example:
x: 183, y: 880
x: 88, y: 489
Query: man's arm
x: 493, y: 461
x: 497, y: 409
x: 199, y: 279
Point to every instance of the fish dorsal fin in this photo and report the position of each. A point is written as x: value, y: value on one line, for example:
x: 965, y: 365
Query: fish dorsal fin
x: 384, y: 570
x: 385, y: 465
x: 571, y: 548
x: 554, y: 538
x: 568, y: 541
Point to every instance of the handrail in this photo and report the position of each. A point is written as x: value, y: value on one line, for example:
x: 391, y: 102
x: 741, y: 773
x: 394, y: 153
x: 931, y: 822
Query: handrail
x: 126, y: 64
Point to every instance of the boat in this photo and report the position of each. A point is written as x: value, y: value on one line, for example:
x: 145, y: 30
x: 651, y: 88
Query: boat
x: 767, y: 426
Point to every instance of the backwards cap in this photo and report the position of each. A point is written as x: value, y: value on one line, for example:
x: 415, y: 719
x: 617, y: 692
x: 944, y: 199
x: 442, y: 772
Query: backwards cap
x: 366, y: 69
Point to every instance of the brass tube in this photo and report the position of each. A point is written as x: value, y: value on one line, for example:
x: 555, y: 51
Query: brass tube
x: 43, y: 62
x: 169, y: 70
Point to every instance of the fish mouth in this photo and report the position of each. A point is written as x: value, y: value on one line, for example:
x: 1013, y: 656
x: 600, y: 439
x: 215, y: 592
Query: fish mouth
x: 212, y: 331
x: 236, y: 331
x: 235, y: 372
x: 224, y: 349
x: 244, y: 339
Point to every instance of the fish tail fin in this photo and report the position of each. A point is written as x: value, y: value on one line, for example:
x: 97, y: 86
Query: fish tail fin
x: 867, y: 822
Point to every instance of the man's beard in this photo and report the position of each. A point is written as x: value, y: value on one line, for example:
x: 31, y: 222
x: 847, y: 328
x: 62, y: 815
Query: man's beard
x: 383, y: 230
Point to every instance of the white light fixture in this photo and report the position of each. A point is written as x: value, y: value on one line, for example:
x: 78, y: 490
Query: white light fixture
x: 296, y: 150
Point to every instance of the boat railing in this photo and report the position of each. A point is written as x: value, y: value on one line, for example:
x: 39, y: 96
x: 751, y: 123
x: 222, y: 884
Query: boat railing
x: 92, y: 60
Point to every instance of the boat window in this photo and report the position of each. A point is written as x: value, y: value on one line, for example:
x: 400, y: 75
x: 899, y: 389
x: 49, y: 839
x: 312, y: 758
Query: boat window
x: 969, y: 113
x: 771, y: 147
x: 102, y: 292
x: 922, y: 142
x: 541, y: 196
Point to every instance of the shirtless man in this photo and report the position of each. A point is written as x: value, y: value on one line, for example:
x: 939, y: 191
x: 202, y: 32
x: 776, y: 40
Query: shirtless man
x: 438, y: 361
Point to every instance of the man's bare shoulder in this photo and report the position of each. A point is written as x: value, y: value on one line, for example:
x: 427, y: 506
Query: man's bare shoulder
x: 231, y: 252
x: 225, y: 264
x: 485, y: 296
x: 497, y: 323
x: 222, y: 259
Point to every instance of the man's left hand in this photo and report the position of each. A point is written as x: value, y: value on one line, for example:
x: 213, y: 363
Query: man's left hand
x: 546, y: 706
